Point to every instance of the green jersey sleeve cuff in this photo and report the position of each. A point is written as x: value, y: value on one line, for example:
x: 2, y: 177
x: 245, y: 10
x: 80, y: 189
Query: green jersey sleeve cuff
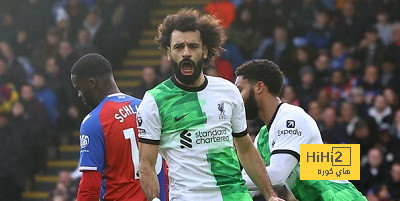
x: 241, y: 134
x: 148, y: 141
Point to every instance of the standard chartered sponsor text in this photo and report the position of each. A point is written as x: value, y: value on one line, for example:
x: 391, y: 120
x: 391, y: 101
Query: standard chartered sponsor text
x: 205, y: 137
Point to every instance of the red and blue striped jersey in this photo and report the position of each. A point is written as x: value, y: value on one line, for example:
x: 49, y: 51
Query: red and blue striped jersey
x: 109, y: 144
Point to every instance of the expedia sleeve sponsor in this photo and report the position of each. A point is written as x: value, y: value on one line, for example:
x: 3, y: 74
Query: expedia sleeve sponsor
x: 289, y: 132
x: 212, y: 136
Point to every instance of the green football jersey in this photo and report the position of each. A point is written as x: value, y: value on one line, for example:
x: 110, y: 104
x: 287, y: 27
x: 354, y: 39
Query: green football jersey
x: 194, y: 128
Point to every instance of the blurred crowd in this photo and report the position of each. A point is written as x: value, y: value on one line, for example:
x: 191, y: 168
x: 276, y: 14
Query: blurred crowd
x: 40, y: 40
x: 341, y: 60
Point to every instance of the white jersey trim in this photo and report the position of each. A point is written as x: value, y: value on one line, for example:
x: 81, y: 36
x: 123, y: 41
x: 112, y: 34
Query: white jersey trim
x: 87, y: 168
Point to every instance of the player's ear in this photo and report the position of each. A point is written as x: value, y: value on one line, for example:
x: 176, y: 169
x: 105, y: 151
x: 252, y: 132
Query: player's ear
x: 205, y: 52
x: 92, y: 82
x: 169, y: 53
x: 259, y: 87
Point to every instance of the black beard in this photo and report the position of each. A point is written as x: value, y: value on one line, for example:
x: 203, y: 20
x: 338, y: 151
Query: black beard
x: 251, y: 106
x: 187, y: 79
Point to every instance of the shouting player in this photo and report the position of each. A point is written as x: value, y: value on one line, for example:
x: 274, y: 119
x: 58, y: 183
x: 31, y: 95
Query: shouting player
x: 109, y: 156
x: 195, y: 120
x: 260, y: 83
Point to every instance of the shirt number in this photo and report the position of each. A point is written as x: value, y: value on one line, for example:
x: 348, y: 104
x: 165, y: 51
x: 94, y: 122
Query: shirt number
x: 130, y: 134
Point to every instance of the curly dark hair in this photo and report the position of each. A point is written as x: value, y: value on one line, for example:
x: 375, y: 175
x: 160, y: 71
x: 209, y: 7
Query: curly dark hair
x: 263, y: 70
x: 212, y: 34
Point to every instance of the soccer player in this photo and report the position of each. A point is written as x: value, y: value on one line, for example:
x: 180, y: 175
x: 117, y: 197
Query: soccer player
x: 260, y: 83
x: 109, y: 156
x: 195, y: 120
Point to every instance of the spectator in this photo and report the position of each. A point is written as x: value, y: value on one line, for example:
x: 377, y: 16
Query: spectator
x: 391, y: 98
x: 393, y: 50
x: 394, y: 181
x: 15, y: 72
x: 7, y: 27
x: 83, y: 44
x: 339, y: 55
x: 370, y: 50
x: 66, y: 57
x: 11, y: 174
x: 76, y: 12
x: 289, y: 95
x: 320, y: 35
x: 384, y: 27
x: 245, y: 33
x: 364, y: 136
x: 63, y: 25
x: 281, y: 50
x: 93, y: 24
x: 370, y: 83
x: 224, y: 10
x: 164, y: 68
x: 321, y: 65
x: 275, y: 13
x: 303, y: 16
x: 395, y: 125
x: 335, y: 89
x: 332, y: 131
x: 314, y: 110
x: 308, y: 87
x: 149, y: 80
x: 380, y: 110
x: 45, y: 48
x: 65, y: 187
x: 373, y: 173
x: 46, y: 96
x: 348, y: 116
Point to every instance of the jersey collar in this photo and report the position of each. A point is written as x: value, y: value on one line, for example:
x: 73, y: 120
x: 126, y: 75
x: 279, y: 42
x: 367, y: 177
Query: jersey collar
x: 273, y: 116
x: 190, y: 89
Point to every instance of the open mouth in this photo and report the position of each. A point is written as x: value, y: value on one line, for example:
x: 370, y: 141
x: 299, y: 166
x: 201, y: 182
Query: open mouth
x: 187, y: 68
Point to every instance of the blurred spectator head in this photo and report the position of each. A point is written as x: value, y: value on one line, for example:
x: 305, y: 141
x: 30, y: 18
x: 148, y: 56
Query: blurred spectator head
x: 289, y: 95
x: 83, y: 36
x: 379, y: 103
x: 165, y: 64
x: 371, y: 74
x: 382, y: 17
x: 280, y: 34
x: 307, y: 75
x: 302, y: 55
x: 3, y: 120
x: 348, y: 10
x: 322, y: 62
x: 338, y: 49
x: 323, y: 99
x: 51, y: 66
x: 149, y: 75
x: 314, y: 110
x: 337, y: 78
x: 395, y: 172
x: 361, y: 130
x: 38, y: 80
x: 18, y: 109
x: 329, y: 117
x: 321, y: 18
x: 27, y: 93
x: 396, y: 32
x: 391, y: 97
x: 357, y: 95
x: 92, y: 18
x: 6, y: 50
x: 64, y: 177
x: 7, y: 20
x: 371, y: 35
x: 64, y: 49
x: 347, y: 111
x: 52, y: 36
x: 351, y: 65
x: 3, y: 67
x: 375, y: 157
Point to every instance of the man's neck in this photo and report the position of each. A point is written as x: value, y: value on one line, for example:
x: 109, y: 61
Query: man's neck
x: 268, y: 106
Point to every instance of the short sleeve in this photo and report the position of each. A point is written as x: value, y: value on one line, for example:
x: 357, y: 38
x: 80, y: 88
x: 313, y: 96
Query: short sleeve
x: 92, y: 145
x: 290, y: 131
x: 239, y: 124
x: 148, y: 121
